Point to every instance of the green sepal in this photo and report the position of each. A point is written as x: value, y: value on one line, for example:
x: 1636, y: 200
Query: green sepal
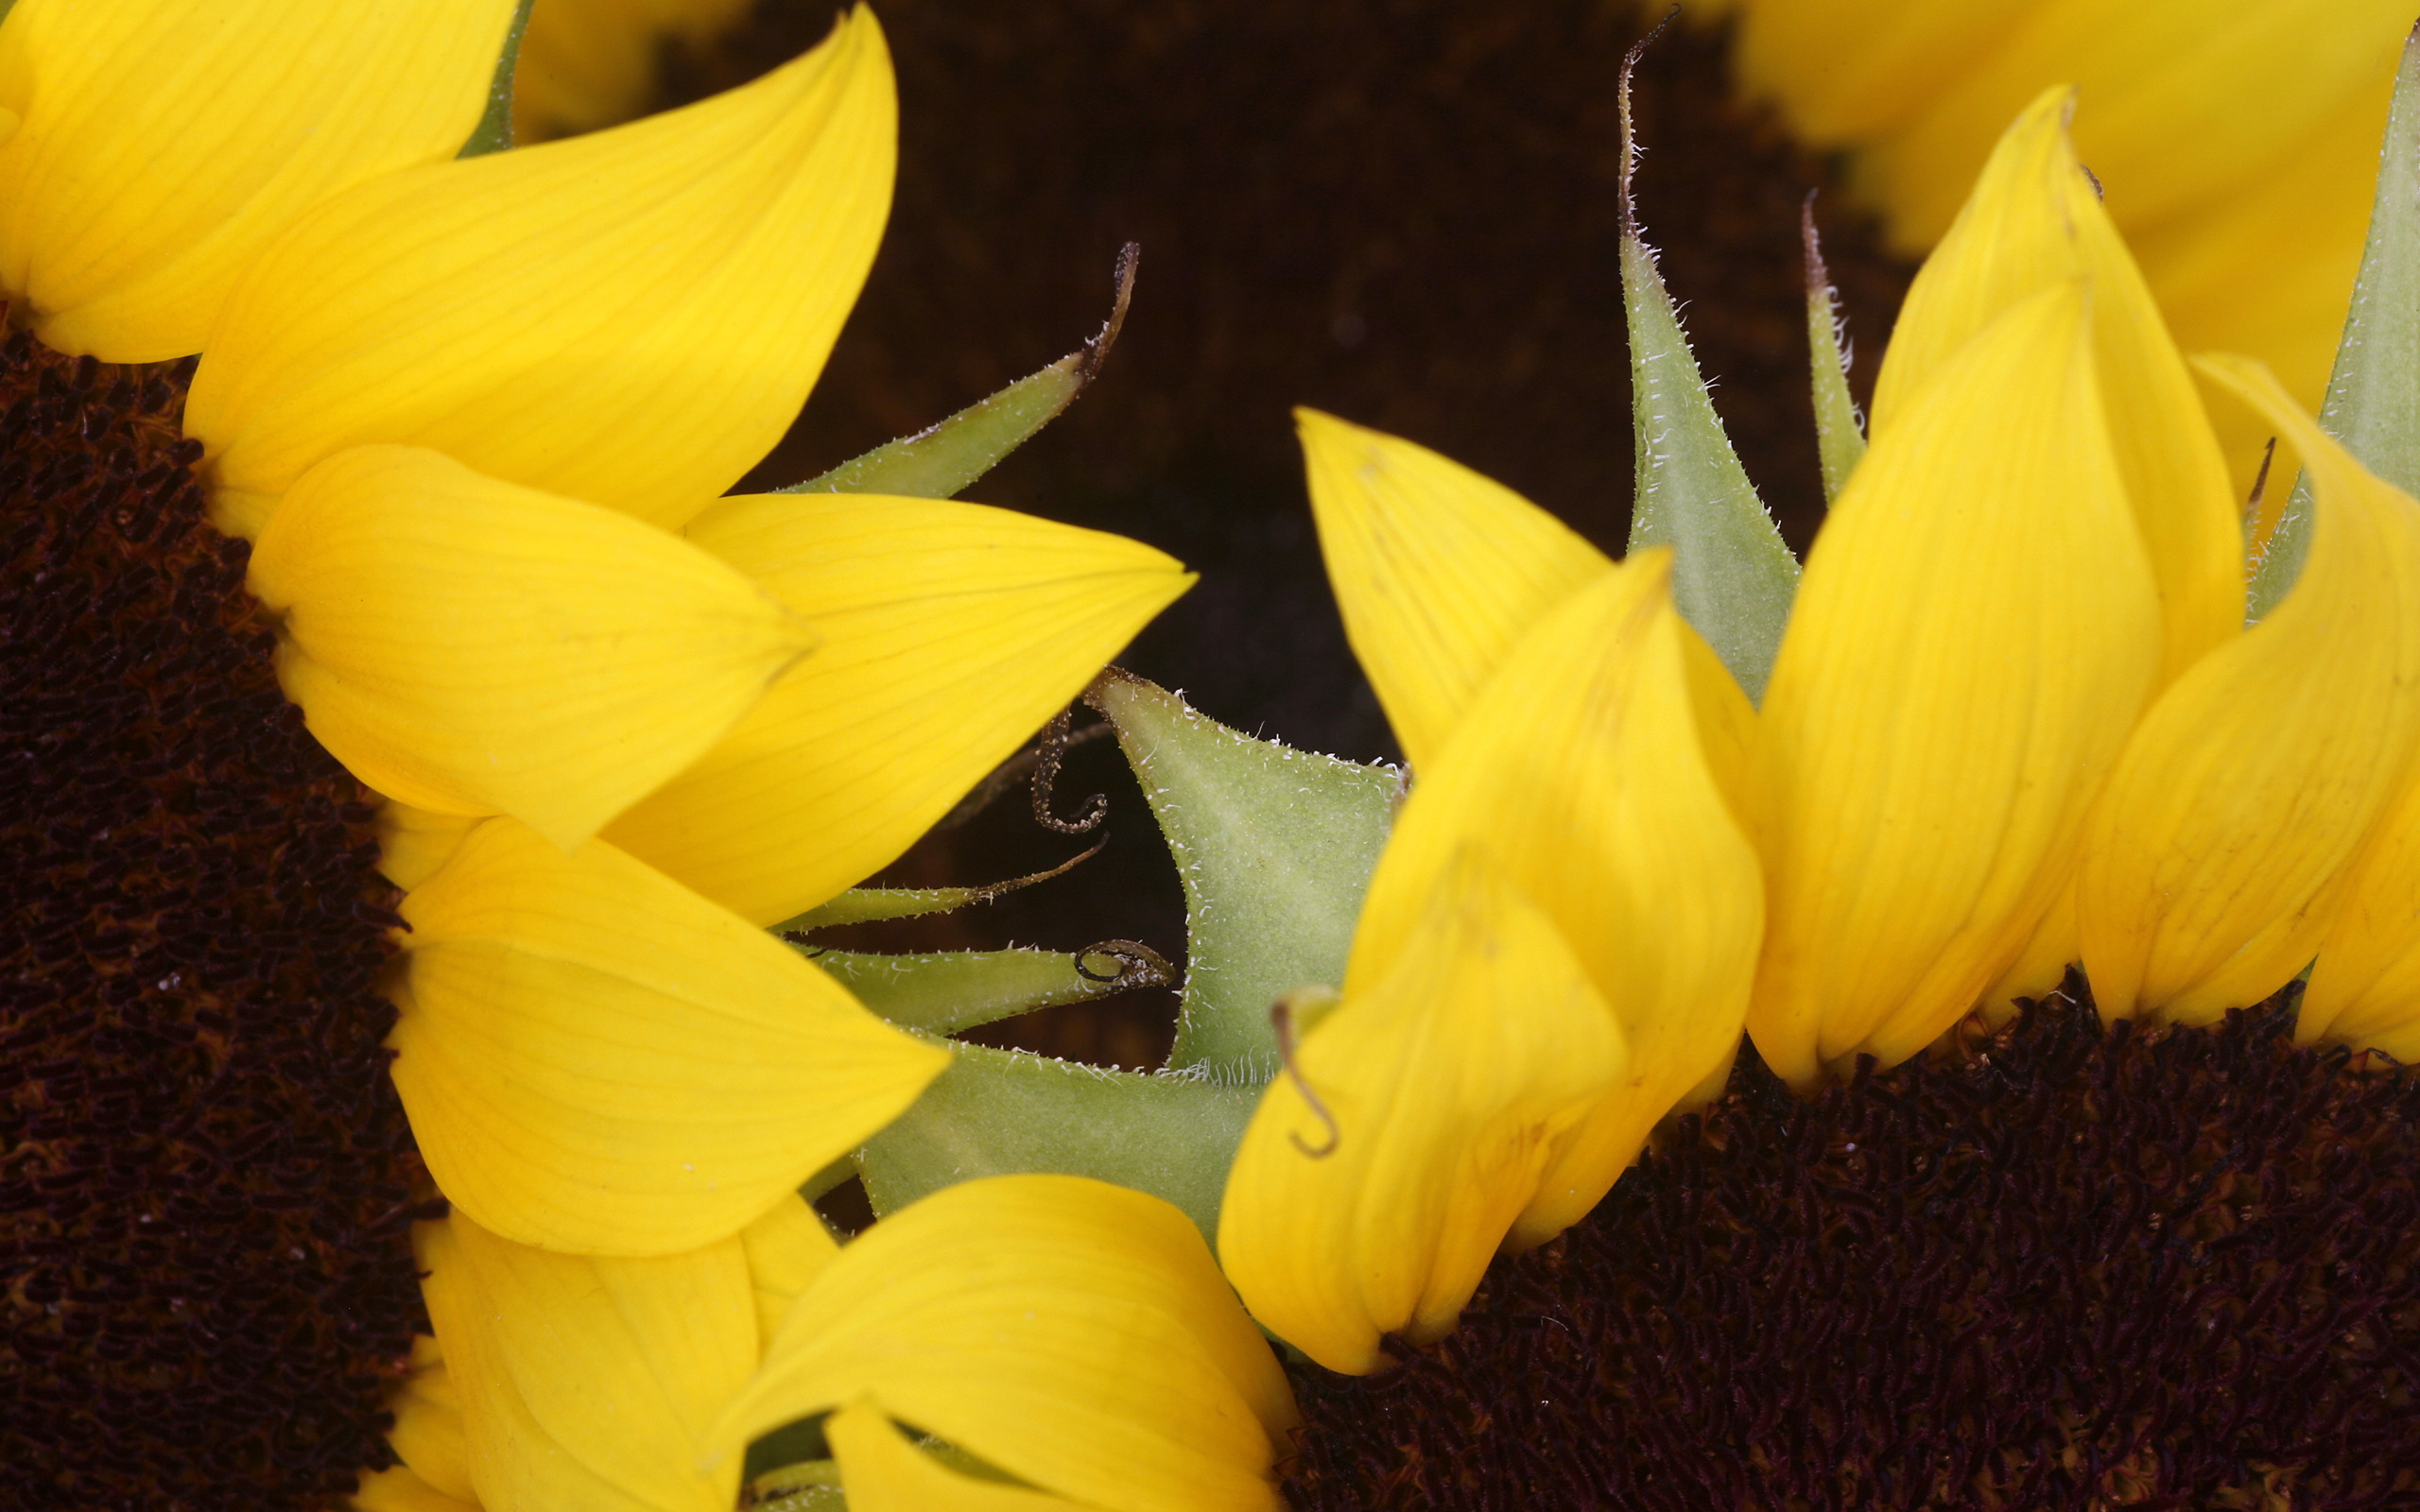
x: 875, y: 905
x: 998, y: 1112
x: 945, y: 991
x: 2373, y: 403
x: 938, y: 462
x: 1840, y: 430
x: 1733, y: 576
x: 1275, y: 847
x: 495, y: 132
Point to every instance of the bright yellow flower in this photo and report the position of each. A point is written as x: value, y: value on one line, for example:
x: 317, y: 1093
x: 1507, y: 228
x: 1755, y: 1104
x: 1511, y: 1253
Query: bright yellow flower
x: 2238, y: 142
x: 2014, y: 722
x: 1070, y: 1343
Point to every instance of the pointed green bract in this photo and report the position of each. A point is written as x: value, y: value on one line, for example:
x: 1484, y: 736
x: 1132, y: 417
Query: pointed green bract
x: 2373, y: 403
x: 937, y: 463
x: 999, y: 1111
x: 1274, y: 846
x: 945, y: 991
x: 1840, y: 431
x: 494, y: 131
x: 1732, y: 577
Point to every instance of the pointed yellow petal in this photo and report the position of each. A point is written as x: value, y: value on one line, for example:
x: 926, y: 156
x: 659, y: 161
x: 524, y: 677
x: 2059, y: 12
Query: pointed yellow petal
x: 470, y: 646
x: 883, y: 1472
x: 1438, y: 571
x: 163, y: 144
x: 597, y: 1059
x: 952, y: 633
x: 589, y: 1383
x: 2033, y: 223
x: 1976, y: 633
x: 1581, y: 770
x: 2207, y: 874
x: 1076, y: 1334
x: 786, y: 1249
x: 631, y: 317
x: 428, y: 1425
x: 1454, y: 1081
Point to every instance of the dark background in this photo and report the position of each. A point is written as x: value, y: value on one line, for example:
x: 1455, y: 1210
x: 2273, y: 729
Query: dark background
x: 1401, y: 211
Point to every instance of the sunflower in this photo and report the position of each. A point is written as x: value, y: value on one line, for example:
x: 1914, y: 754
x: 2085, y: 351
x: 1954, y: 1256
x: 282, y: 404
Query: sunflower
x: 2017, y: 786
x: 475, y: 416
x: 2015, y: 721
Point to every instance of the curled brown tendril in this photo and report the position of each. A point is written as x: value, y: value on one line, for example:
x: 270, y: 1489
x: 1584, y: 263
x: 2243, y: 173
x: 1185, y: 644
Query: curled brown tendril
x: 1138, y: 965
x: 1281, y: 1020
x: 1053, y: 746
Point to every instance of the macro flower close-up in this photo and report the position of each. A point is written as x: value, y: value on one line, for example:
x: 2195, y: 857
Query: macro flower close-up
x: 1881, y: 975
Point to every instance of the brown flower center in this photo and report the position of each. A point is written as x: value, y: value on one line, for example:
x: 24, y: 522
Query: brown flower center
x: 206, y: 1178
x: 2067, y: 1268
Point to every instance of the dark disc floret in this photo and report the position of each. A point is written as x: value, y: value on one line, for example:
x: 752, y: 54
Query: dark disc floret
x: 206, y: 1178
x: 2067, y: 1268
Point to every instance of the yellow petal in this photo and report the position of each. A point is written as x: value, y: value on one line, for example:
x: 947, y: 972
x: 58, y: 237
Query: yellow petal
x: 1454, y: 1081
x: 952, y: 633
x: 883, y: 1472
x: 163, y: 144
x: 2209, y: 872
x: 1073, y: 1333
x: 589, y: 1383
x: 428, y: 1425
x: 1438, y: 571
x: 2033, y: 223
x: 1976, y: 632
x: 413, y: 843
x: 631, y: 317
x: 786, y: 1249
x: 2365, y: 989
x: 1582, y: 771
x: 587, y: 63
x: 1846, y: 70
x: 469, y: 647
x: 595, y: 1058
x: 398, y: 1488
x: 2185, y: 102
x: 2267, y: 270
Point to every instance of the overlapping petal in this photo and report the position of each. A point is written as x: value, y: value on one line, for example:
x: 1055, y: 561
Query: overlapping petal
x: 2034, y: 222
x: 1455, y: 1083
x: 1582, y: 770
x: 631, y: 317
x: 588, y: 1382
x: 1075, y: 1335
x: 1976, y: 633
x: 469, y: 647
x: 952, y: 632
x: 1438, y: 571
x: 2213, y: 861
x: 595, y: 1058
x: 161, y: 143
